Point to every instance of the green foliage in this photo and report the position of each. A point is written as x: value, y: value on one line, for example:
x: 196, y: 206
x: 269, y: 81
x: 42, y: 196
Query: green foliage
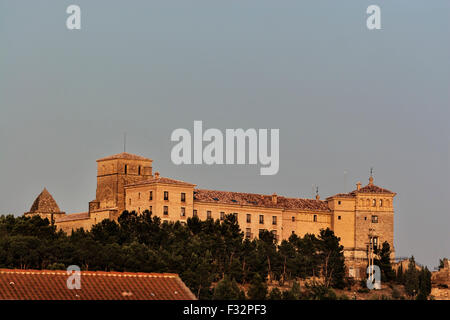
x: 318, y: 291
x: 275, y: 294
x: 294, y: 293
x: 332, y: 255
x: 227, y: 289
x: 417, y: 282
x: 383, y: 260
x: 258, y: 288
x: 201, y: 252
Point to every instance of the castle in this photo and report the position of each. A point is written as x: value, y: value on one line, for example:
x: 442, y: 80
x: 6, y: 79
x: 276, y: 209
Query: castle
x: 362, y: 218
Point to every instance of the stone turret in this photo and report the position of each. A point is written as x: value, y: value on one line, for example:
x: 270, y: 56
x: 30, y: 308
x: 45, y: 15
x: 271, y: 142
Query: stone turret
x: 45, y: 207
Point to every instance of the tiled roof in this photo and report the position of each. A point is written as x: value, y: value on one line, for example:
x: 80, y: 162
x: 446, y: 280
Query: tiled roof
x: 370, y: 188
x: 52, y: 285
x: 259, y: 200
x: 158, y: 179
x: 44, y: 203
x: 73, y: 217
x: 124, y: 155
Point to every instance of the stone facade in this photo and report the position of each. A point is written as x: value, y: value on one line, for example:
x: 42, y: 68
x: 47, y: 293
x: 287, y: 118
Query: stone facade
x: 126, y: 182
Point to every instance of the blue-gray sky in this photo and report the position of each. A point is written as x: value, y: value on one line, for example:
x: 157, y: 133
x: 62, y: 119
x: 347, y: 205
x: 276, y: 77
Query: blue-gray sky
x: 344, y: 98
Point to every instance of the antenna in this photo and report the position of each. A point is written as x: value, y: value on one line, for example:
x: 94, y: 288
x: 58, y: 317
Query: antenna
x: 124, y: 142
x: 317, y: 190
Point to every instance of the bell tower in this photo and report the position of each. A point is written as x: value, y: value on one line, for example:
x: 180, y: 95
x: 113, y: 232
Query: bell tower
x: 113, y: 174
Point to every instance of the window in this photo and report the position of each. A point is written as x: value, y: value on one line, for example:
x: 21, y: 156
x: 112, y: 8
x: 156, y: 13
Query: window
x: 374, y: 242
x: 381, y: 202
x: 150, y: 209
x: 222, y: 215
x: 208, y: 214
x: 129, y: 201
x: 194, y: 213
x: 339, y: 217
x: 339, y: 202
x: 183, y: 197
x: 139, y: 170
x: 274, y: 220
x: 166, y: 195
x: 249, y: 218
x: 374, y: 219
x: 261, y: 231
x: 235, y: 215
x: 261, y: 219
x: 150, y: 196
x: 248, y: 233
x: 293, y: 219
x: 365, y: 218
x: 166, y: 210
x: 315, y: 218
x: 139, y: 195
x: 374, y: 202
x: 126, y: 169
x: 183, y: 211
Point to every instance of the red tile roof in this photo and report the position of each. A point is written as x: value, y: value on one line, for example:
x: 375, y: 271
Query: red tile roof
x: 370, y: 188
x: 73, y: 217
x: 163, y: 180
x: 124, y: 155
x: 52, y: 285
x: 259, y: 200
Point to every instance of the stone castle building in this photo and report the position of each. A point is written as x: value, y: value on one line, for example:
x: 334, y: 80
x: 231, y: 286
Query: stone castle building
x: 127, y: 182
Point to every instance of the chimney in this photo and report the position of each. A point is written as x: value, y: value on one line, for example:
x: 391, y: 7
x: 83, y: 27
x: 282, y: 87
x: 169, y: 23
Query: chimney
x: 156, y: 175
x: 358, y: 186
x: 274, y: 198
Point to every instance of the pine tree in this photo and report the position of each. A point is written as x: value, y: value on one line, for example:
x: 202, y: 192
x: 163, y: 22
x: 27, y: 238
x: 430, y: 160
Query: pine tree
x: 226, y: 289
x: 258, y: 288
x: 412, y: 278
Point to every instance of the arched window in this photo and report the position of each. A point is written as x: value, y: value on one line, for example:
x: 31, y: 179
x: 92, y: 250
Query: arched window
x: 374, y: 202
x: 381, y: 202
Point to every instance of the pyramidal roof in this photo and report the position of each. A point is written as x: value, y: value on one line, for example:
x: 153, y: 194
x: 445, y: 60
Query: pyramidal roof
x: 370, y: 188
x: 44, y: 203
x: 124, y: 155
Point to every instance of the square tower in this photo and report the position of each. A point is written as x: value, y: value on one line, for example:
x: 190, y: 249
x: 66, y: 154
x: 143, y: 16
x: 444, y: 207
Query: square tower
x: 113, y: 174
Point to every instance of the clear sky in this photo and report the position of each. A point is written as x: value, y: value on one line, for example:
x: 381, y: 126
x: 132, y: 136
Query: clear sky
x: 344, y: 98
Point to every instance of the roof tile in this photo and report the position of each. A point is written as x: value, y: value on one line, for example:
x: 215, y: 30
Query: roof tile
x: 95, y: 285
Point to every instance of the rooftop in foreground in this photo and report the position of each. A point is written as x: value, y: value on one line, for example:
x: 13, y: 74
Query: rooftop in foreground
x: 95, y: 285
